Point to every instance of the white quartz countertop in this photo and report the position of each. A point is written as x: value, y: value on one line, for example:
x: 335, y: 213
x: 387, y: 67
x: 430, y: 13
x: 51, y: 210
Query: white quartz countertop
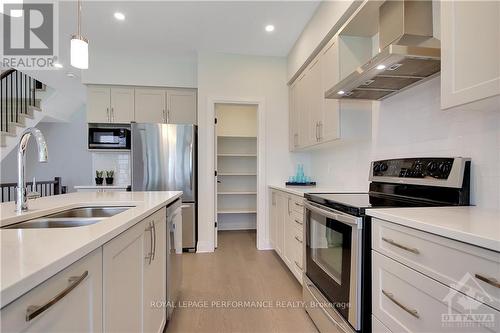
x: 30, y: 256
x: 473, y: 225
x: 301, y: 190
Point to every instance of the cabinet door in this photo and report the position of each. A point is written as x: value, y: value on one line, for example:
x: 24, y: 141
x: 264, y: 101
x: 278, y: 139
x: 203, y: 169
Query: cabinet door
x: 122, y: 105
x: 150, y: 105
x: 98, y: 104
x: 329, y: 120
x: 281, y: 209
x: 470, y: 51
x: 293, y: 117
x: 302, y: 112
x: 80, y: 310
x: 155, y: 275
x: 314, y: 100
x: 124, y: 259
x: 181, y: 106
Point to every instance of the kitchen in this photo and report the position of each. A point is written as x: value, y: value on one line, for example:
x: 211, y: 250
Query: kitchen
x: 346, y: 146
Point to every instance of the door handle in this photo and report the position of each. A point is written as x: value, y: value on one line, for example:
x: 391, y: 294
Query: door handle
x: 401, y: 246
x: 150, y: 254
x: 35, y: 310
x: 108, y: 115
x: 491, y: 281
x: 112, y: 115
x: 297, y: 264
x: 298, y: 239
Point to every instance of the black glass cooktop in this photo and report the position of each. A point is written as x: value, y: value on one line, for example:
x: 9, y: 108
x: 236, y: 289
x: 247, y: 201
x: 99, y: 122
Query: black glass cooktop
x: 357, y: 203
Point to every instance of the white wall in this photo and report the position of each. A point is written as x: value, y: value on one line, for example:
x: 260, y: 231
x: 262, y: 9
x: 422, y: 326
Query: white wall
x: 237, y: 77
x: 68, y: 155
x: 412, y: 124
x: 327, y: 15
x: 142, y: 69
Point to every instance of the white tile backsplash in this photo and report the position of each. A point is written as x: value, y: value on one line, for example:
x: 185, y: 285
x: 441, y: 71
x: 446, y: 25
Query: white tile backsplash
x: 412, y: 124
x: 119, y: 162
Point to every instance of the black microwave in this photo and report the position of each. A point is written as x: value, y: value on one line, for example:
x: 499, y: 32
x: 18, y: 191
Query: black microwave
x: 109, y: 138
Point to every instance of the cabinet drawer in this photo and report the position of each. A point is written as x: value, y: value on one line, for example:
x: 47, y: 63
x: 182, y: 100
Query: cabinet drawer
x: 378, y: 327
x: 297, y: 260
x: 406, y: 301
x: 297, y: 220
x: 297, y: 204
x: 72, y: 299
x: 458, y: 265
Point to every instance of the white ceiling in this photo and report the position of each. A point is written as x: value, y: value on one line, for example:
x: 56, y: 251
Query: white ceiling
x: 185, y: 27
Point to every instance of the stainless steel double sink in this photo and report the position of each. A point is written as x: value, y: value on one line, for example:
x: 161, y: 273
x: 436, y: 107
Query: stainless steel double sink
x: 76, y: 217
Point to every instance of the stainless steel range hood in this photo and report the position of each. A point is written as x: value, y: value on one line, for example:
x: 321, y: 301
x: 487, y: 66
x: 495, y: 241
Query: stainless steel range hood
x: 409, y: 54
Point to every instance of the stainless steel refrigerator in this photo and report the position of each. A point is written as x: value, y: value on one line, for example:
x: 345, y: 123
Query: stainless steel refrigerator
x: 164, y: 159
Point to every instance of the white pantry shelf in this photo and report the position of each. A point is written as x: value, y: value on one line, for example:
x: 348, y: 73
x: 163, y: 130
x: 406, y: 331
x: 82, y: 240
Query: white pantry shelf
x: 236, y: 193
x: 237, y: 174
x: 237, y: 211
x: 237, y: 155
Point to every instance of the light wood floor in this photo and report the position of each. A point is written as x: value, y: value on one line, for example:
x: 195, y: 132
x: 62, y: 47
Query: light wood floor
x: 237, y: 271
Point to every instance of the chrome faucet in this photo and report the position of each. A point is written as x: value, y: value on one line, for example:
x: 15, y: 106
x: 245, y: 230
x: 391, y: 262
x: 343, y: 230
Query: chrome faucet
x: 21, y: 190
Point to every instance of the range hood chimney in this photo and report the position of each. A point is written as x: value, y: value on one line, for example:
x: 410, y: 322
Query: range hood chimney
x: 408, y: 54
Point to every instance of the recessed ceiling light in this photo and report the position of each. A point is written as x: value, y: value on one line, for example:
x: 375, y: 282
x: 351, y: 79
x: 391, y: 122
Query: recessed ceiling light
x: 71, y: 75
x: 119, y: 16
x: 341, y: 92
x: 381, y: 67
x: 269, y: 28
x: 58, y: 65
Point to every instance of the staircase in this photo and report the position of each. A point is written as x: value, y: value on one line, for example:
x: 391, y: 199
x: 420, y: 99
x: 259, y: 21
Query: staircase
x: 19, y: 105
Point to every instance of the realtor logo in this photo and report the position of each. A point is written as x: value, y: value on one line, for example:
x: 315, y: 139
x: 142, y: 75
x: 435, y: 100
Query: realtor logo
x: 29, y: 31
x: 464, y: 301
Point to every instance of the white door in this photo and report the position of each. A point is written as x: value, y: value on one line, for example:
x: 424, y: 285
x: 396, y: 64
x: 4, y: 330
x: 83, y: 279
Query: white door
x: 123, y: 273
x: 155, y: 275
x: 150, y: 105
x: 329, y: 122
x: 281, y: 209
x: 122, y: 105
x: 301, y: 116
x: 80, y: 310
x: 470, y: 51
x: 314, y: 99
x: 98, y: 104
x: 181, y: 106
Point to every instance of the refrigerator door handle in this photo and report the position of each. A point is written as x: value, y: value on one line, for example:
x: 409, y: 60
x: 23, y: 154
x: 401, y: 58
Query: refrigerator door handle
x: 191, y: 166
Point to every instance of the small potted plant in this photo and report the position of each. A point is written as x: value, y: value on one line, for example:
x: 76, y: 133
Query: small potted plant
x: 109, y: 177
x: 99, y: 177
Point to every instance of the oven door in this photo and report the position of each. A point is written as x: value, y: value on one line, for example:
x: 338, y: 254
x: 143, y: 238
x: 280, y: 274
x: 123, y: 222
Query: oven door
x: 333, y: 258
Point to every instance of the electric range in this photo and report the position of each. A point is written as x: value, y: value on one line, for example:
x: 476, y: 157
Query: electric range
x: 337, y: 249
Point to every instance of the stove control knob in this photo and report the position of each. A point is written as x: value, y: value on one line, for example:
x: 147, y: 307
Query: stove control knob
x: 444, y: 168
x: 383, y: 167
x: 376, y: 167
x: 432, y: 167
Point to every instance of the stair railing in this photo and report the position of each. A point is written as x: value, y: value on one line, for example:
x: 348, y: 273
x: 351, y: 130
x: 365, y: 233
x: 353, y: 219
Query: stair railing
x: 17, y: 96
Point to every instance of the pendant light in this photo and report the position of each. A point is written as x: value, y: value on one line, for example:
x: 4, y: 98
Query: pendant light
x: 79, y: 45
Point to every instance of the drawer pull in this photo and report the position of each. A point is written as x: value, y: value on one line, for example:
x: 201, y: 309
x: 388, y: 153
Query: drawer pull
x: 298, y: 239
x: 34, y: 310
x: 404, y: 247
x: 491, y: 281
x: 298, y: 222
x: 297, y: 204
x: 390, y: 296
x: 297, y: 264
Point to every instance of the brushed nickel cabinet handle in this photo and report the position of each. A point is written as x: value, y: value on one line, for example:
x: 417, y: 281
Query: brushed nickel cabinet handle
x: 112, y: 115
x: 297, y: 264
x: 153, y: 226
x: 108, y: 116
x: 149, y: 256
x: 297, y: 204
x: 320, y: 131
x: 491, y: 281
x: 163, y: 116
x: 298, y: 239
x: 34, y: 310
x: 298, y: 222
x: 404, y: 247
x: 390, y: 296
x: 168, y: 116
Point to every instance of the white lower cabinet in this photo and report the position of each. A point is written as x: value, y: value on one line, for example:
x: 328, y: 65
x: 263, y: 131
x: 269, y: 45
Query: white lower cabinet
x: 70, y: 301
x: 133, y: 277
x: 285, y: 224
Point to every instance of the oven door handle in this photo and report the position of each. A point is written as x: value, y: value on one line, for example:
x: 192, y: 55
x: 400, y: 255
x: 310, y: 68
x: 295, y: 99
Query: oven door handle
x: 344, y: 218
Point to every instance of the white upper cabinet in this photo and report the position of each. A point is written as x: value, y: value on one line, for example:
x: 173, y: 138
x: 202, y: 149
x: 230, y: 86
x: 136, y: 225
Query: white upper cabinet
x: 110, y: 104
x: 329, y: 120
x: 122, y: 105
x: 150, y: 105
x: 181, y: 106
x: 470, y: 51
x: 98, y: 104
